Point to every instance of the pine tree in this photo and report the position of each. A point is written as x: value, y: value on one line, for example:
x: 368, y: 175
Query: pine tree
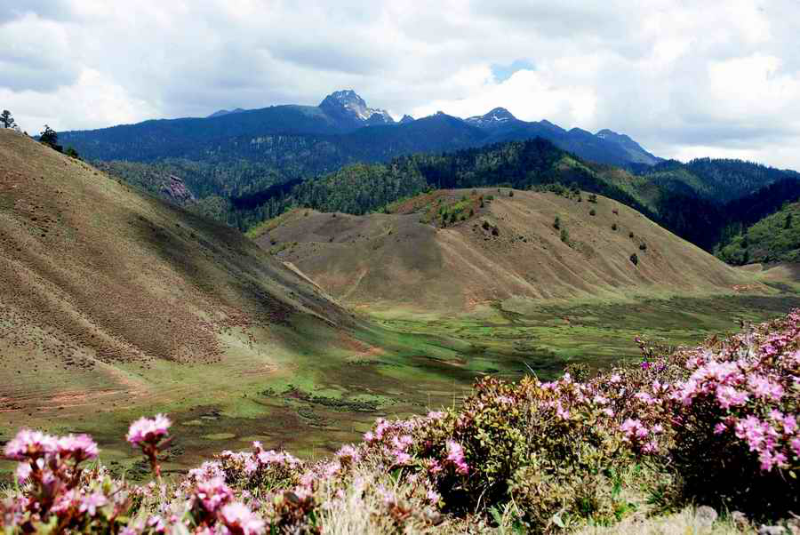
x: 7, y: 120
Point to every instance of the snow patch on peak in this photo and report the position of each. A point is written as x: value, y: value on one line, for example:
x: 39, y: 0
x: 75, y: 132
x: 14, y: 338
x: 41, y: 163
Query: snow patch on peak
x: 349, y: 106
x: 495, y: 117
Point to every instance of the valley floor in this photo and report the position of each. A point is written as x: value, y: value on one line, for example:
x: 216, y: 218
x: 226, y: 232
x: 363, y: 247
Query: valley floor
x: 399, y: 363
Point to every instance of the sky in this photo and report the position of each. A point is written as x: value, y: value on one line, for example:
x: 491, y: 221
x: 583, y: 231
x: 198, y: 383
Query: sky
x: 685, y: 78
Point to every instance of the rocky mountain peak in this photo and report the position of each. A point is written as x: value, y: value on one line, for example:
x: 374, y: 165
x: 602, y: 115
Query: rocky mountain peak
x: 348, y: 107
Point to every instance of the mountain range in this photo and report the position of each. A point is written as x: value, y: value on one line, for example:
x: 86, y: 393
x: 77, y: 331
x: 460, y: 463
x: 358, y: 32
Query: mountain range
x: 334, y: 133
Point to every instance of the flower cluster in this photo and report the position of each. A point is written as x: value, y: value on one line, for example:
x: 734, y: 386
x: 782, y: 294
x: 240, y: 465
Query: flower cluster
x: 151, y: 435
x: 56, y: 491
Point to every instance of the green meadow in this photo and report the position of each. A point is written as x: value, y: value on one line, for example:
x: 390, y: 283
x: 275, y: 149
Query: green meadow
x: 322, y: 398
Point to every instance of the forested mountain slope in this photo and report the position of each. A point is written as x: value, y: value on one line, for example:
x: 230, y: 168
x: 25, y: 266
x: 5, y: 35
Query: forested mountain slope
x: 775, y: 238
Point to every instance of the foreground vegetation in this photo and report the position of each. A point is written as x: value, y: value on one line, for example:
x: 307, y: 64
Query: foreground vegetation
x: 714, y: 425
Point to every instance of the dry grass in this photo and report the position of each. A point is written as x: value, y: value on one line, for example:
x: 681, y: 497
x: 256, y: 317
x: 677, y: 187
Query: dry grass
x: 684, y: 523
x: 110, y: 299
x: 400, y: 260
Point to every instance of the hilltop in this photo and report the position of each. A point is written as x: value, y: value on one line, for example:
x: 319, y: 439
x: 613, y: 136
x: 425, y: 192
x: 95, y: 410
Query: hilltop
x: 455, y: 250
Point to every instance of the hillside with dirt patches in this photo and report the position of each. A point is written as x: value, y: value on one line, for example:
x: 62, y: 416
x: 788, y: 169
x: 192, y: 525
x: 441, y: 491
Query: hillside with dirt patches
x: 455, y: 250
x: 110, y: 298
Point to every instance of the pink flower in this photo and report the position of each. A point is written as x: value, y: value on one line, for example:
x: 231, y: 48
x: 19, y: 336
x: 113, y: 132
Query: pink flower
x: 753, y: 431
x: 30, y: 445
x: 650, y: 448
x: 762, y: 387
x: 239, y: 519
x: 455, y: 455
x: 769, y: 460
x: 91, y: 502
x: 720, y: 428
x: 331, y: 469
x: 402, y: 442
x: 434, y: 467
x: 23, y: 472
x: 727, y: 396
x: 213, y: 494
x: 789, y: 425
x: 157, y: 523
x: 401, y: 457
x: 80, y: 447
x: 633, y: 430
x: 148, y: 430
x: 348, y: 454
x: 71, y: 499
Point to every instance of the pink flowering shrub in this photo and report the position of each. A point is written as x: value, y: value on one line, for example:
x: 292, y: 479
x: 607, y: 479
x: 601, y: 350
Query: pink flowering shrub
x: 720, y: 419
x: 548, y: 446
x: 734, y: 419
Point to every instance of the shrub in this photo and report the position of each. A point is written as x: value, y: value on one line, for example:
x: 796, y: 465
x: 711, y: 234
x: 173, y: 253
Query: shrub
x: 592, y: 212
x: 565, y: 236
x: 613, y: 226
x: 557, y: 223
x: 634, y: 259
x: 736, y: 440
x: 642, y: 246
x: 593, y: 198
x: 630, y: 234
x: 511, y: 193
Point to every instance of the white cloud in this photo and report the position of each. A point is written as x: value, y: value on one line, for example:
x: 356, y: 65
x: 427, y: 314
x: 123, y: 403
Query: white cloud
x: 684, y: 78
x: 93, y: 100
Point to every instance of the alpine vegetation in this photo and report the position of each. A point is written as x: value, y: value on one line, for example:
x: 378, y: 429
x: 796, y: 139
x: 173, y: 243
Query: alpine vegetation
x: 715, y: 425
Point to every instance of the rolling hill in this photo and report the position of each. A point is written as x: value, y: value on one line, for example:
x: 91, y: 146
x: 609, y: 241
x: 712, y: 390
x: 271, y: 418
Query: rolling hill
x: 693, y: 207
x: 455, y: 250
x: 111, y: 298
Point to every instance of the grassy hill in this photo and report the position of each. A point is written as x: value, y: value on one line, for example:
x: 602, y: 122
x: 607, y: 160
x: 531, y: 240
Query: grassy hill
x: 112, y: 298
x: 455, y: 250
